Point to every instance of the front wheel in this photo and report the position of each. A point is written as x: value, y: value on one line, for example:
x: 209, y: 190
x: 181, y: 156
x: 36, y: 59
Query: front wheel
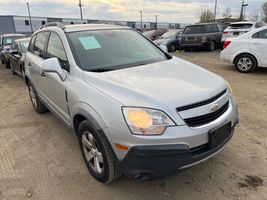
x: 245, y: 63
x: 97, y: 153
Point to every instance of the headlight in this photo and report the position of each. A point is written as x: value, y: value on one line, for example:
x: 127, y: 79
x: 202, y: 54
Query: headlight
x: 145, y: 121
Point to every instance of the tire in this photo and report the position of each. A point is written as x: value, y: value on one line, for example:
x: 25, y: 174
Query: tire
x: 22, y: 69
x: 245, y: 63
x: 172, y: 48
x: 38, y: 106
x: 12, y: 69
x: 7, y: 64
x: 211, y: 46
x: 97, y: 154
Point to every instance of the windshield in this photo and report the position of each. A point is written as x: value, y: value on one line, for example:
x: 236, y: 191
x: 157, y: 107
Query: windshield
x: 240, y: 26
x: 169, y: 34
x: 105, y: 50
x: 24, y: 46
x: 195, y: 29
x: 9, y: 40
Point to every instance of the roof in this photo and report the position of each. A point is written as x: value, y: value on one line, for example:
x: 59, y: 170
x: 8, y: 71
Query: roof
x: 244, y: 22
x: 23, y: 39
x: 207, y: 23
x: 12, y: 35
x: 83, y: 27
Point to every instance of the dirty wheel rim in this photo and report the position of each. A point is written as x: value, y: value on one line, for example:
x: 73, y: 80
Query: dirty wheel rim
x: 92, y: 152
x: 172, y: 48
x: 212, y: 46
x: 244, y: 64
x: 33, y: 98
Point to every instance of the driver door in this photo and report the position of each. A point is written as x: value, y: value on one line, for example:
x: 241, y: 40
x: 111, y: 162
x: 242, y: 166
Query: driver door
x: 54, y: 88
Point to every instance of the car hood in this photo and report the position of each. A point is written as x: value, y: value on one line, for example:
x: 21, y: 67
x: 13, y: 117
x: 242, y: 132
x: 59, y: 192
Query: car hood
x: 162, y: 40
x: 170, y: 83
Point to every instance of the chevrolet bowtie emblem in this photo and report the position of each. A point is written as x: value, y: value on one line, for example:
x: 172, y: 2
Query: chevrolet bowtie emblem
x: 214, y: 107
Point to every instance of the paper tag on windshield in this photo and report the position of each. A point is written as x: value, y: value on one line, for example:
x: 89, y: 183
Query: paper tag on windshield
x: 89, y: 43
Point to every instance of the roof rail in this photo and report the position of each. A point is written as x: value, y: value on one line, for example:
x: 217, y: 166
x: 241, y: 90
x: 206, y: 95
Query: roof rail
x: 50, y: 24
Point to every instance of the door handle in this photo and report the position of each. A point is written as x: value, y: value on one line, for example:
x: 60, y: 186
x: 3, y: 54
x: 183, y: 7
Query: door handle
x: 29, y: 64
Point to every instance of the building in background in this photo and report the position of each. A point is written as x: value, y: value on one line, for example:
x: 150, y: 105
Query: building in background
x: 21, y: 24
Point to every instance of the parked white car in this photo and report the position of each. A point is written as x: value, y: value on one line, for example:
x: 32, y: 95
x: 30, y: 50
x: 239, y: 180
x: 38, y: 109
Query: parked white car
x: 239, y: 28
x: 248, y: 51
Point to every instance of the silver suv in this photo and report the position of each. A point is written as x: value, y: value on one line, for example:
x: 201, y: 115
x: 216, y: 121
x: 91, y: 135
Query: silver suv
x: 135, y: 109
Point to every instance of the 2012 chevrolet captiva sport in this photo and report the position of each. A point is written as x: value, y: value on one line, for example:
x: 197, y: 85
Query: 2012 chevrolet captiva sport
x: 135, y: 109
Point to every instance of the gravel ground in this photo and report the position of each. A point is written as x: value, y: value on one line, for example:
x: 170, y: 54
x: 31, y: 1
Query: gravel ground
x: 40, y: 158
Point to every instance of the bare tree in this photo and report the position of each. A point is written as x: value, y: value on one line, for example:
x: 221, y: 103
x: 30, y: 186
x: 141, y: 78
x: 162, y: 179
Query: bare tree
x: 206, y: 16
x: 264, y: 11
x: 227, y: 14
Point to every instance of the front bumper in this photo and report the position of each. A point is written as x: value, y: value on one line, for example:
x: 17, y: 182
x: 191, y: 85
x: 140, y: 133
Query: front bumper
x: 157, y: 161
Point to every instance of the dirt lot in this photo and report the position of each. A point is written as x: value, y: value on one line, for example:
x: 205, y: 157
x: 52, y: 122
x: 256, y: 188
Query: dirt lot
x: 40, y: 158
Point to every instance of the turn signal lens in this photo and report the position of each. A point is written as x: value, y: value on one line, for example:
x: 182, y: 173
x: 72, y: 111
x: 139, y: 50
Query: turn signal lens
x: 121, y: 147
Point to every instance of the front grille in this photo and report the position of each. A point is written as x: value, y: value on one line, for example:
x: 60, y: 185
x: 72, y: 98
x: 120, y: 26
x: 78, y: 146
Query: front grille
x: 202, y: 103
x: 205, y: 119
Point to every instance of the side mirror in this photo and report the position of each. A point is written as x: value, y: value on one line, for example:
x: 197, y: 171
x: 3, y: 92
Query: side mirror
x: 164, y: 48
x: 52, y: 65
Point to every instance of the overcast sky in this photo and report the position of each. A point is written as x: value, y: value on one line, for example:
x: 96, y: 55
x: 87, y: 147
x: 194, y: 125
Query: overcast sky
x: 183, y: 11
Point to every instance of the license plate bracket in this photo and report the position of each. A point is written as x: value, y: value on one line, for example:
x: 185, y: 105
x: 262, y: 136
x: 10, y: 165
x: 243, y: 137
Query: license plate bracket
x: 217, y: 136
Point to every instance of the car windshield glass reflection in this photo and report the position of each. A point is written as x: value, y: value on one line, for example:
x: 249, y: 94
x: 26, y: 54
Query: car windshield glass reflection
x: 107, y: 50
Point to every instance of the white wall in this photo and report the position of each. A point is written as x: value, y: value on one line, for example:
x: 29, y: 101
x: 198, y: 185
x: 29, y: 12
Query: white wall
x: 21, y: 27
x: 146, y: 25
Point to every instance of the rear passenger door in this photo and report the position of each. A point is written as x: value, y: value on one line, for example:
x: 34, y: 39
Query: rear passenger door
x: 217, y: 33
x: 36, y: 58
x: 258, y: 45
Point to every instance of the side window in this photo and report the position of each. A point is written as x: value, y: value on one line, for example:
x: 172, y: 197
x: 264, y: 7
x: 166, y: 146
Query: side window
x: 216, y: 28
x: 31, y: 45
x: 16, y: 47
x: 39, y: 45
x: 260, y: 35
x: 13, y: 45
x: 55, y: 49
x: 258, y: 25
x: 209, y: 28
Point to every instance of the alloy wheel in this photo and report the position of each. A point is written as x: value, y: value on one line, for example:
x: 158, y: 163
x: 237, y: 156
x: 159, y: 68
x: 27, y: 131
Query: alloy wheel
x: 244, y: 64
x: 33, y: 97
x: 92, y: 152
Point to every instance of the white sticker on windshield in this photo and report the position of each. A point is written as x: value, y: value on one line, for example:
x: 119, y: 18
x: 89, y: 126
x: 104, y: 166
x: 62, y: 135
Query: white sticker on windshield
x: 89, y: 43
x: 8, y: 41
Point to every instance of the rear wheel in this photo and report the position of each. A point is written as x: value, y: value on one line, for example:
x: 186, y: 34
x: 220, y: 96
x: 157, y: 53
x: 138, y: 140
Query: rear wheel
x: 172, y: 48
x: 245, y: 63
x: 211, y: 46
x: 12, y: 69
x: 97, y: 153
x: 38, y: 106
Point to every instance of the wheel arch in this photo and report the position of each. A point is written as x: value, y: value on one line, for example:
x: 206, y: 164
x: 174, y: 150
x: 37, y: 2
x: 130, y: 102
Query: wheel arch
x: 240, y: 54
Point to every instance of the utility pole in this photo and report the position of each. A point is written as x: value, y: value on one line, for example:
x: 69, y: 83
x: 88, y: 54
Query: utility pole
x: 141, y: 13
x: 156, y: 26
x: 81, y: 10
x: 29, y: 12
x: 242, y: 10
x: 258, y: 10
x: 215, y: 10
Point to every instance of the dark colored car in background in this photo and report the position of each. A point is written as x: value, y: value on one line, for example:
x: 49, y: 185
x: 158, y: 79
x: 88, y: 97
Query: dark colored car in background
x: 170, y: 39
x: 5, y: 45
x: 17, y: 56
x: 204, y: 35
x: 154, y: 34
